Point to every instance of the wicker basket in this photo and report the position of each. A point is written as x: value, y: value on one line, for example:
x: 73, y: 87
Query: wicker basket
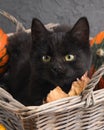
x: 85, y: 112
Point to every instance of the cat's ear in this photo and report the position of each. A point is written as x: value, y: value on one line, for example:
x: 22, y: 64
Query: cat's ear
x: 81, y: 30
x: 38, y: 30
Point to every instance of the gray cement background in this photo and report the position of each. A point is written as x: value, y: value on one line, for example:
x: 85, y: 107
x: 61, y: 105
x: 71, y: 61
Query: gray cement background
x: 57, y: 11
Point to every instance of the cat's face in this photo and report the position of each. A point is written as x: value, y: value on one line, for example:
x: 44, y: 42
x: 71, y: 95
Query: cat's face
x: 61, y: 57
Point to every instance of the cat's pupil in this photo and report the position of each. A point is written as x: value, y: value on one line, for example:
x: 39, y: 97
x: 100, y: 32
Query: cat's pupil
x: 69, y: 57
x: 46, y: 58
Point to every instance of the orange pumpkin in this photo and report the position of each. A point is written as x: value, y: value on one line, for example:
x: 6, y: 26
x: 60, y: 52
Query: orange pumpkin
x: 97, y: 46
x: 2, y: 127
x: 3, y: 51
x: 97, y: 39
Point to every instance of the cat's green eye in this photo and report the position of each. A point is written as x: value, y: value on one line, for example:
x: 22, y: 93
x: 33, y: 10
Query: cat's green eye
x: 46, y: 58
x: 69, y: 57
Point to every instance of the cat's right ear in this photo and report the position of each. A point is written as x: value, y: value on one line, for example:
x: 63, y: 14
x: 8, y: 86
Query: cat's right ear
x: 81, y: 30
x: 37, y: 29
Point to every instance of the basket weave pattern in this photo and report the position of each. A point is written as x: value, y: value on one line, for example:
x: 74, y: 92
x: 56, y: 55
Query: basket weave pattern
x: 85, y: 112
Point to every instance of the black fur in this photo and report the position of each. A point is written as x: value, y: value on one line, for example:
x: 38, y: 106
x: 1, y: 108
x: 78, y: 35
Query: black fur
x: 29, y: 78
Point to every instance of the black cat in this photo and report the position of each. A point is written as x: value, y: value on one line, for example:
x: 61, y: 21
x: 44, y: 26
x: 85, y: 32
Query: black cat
x: 42, y: 60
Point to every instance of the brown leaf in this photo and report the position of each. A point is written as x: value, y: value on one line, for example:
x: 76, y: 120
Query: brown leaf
x: 56, y: 94
x: 79, y: 85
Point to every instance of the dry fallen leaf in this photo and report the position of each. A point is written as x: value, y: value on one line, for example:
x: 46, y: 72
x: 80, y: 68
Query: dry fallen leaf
x: 77, y: 87
x: 56, y: 94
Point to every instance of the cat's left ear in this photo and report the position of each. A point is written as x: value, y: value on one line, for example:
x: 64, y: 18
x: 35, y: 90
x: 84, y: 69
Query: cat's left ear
x: 38, y: 29
x: 81, y: 30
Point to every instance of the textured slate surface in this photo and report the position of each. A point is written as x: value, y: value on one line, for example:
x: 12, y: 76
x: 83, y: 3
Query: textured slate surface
x: 57, y: 11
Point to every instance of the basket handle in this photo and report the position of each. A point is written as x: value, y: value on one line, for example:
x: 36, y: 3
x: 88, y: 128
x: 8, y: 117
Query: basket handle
x: 19, y: 25
x: 87, y: 94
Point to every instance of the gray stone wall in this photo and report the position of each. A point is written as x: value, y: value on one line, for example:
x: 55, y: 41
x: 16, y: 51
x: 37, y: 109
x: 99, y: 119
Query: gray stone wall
x: 57, y: 11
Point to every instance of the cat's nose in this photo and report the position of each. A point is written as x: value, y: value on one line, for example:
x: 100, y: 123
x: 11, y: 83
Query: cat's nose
x: 58, y: 69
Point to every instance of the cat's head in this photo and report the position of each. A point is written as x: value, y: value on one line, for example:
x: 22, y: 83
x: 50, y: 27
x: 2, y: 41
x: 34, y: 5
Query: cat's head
x: 60, y: 57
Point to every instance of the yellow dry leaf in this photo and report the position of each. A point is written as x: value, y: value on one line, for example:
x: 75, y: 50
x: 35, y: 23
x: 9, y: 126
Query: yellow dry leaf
x: 79, y: 85
x: 56, y: 94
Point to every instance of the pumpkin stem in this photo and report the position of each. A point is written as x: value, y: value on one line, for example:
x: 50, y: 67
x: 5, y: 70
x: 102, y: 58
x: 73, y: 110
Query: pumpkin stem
x: 100, y: 52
